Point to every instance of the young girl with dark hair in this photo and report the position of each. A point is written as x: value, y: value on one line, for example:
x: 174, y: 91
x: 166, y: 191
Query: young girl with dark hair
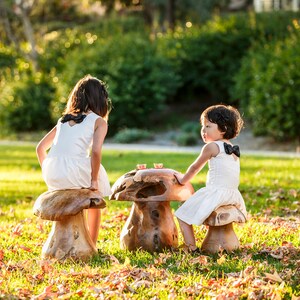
x: 74, y: 158
x: 220, y: 123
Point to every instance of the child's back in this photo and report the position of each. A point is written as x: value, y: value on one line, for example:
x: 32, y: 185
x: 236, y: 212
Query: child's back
x: 74, y: 140
x: 68, y: 164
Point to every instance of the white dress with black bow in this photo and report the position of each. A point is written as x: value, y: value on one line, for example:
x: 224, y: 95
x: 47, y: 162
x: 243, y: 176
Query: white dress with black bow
x: 68, y: 164
x: 221, y: 189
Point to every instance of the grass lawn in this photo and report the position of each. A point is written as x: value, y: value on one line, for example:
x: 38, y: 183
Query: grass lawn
x: 266, y: 267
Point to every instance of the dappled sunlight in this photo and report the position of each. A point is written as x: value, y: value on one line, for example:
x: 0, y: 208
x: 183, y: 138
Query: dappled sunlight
x: 267, y: 256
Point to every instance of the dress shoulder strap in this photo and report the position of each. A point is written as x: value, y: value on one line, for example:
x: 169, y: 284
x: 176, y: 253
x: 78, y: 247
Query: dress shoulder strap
x: 92, y: 117
x: 220, y: 144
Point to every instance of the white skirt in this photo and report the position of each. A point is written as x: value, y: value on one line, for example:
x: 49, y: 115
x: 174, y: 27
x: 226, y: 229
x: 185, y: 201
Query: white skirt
x: 61, y: 173
x: 203, y: 202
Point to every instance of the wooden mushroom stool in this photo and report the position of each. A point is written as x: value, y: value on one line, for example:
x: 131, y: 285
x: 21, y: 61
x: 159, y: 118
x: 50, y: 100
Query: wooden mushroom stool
x: 220, y: 234
x: 69, y: 236
x: 150, y: 225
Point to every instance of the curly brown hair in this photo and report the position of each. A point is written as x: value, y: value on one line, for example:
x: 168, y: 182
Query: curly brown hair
x: 227, y: 118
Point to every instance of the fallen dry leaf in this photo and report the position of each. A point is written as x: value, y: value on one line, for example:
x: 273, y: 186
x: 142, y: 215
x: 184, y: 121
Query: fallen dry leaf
x: 1, y: 255
x: 293, y: 193
x: 17, y: 230
x: 25, y: 248
x: 46, y: 266
x: 201, y: 259
x: 257, y: 283
x: 114, y: 260
x: 278, y: 254
x: 139, y: 274
x: 47, y: 293
x: 237, y: 283
x: 274, y: 277
x: 144, y: 283
x: 163, y: 257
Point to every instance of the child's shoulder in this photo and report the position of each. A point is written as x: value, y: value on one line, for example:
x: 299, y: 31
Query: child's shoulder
x: 93, y: 118
x: 212, y: 148
x: 215, y: 144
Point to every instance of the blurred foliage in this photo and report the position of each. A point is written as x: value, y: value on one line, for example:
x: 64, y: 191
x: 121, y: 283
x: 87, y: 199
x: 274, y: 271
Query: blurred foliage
x: 148, y: 71
x: 131, y: 135
x: 189, y: 135
x: 24, y: 104
x: 191, y: 127
x: 139, y: 79
x: 208, y: 57
x: 7, y: 59
x: 269, y: 87
x: 187, y: 139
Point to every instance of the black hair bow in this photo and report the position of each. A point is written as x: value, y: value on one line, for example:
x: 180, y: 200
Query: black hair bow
x: 232, y: 149
x: 76, y: 118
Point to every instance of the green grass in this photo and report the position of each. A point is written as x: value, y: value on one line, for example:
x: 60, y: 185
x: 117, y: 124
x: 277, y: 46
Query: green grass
x: 270, y: 187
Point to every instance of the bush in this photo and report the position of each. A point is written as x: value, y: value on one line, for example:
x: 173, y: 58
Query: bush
x: 187, y: 139
x: 7, y: 58
x: 139, y: 80
x: 269, y: 87
x: 131, y: 135
x: 145, y: 75
x: 208, y: 57
x: 24, y: 104
x: 191, y: 127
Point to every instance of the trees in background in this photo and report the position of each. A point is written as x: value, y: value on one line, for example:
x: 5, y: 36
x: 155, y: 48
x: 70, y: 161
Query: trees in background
x: 225, y: 58
x: 13, y: 14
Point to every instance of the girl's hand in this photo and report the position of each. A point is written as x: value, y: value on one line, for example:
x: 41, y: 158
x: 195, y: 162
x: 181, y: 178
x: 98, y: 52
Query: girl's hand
x: 94, y: 185
x: 178, y: 178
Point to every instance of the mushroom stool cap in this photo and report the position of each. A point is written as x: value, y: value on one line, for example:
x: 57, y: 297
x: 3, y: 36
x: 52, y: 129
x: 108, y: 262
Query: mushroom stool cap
x: 225, y: 215
x: 150, y: 185
x: 55, y: 205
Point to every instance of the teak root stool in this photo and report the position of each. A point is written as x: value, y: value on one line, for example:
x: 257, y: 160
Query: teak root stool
x: 69, y: 236
x: 150, y: 225
x: 220, y: 233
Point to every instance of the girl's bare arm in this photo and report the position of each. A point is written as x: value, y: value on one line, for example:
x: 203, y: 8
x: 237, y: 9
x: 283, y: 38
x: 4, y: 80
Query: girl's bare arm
x: 44, y: 145
x: 208, y: 151
x: 96, y: 154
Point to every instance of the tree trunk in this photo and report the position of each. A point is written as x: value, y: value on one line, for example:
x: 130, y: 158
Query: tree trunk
x: 171, y: 14
x: 21, y: 13
x: 5, y: 21
x: 28, y: 30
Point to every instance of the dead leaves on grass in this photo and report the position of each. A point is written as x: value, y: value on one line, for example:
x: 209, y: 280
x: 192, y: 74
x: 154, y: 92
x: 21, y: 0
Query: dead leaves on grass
x: 286, y: 253
x: 123, y: 280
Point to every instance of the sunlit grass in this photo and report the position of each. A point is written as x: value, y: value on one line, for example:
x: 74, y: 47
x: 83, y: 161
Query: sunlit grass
x: 270, y: 187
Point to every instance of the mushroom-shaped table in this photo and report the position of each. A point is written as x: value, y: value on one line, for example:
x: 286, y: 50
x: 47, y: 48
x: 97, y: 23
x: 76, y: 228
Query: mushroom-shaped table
x: 69, y: 236
x: 150, y: 225
x: 220, y: 233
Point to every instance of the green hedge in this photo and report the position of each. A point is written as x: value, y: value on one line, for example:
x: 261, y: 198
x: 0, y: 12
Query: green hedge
x: 207, y: 57
x: 24, y: 104
x: 145, y: 74
x: 139, y: 79
x: 268, y: 85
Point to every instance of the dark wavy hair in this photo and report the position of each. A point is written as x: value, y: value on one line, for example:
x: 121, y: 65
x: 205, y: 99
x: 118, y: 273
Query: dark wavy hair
x: 227, y: 118
x: 89, y: 93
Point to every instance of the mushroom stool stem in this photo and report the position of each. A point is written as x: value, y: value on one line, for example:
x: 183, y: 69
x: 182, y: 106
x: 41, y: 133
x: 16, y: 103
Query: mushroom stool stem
x: 150, y: 226
x: 69, y: 236
x: 220, y: 237
x: 220, y: 234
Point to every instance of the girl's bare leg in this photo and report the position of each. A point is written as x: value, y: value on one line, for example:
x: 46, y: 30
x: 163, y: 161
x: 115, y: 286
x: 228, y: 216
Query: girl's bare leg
x: 188, y: 234
x: 94, y: 219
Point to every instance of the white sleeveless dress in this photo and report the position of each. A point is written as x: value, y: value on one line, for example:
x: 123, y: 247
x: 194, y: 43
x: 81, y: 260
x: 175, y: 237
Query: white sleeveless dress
x: 221, y: 189
x: 68, y: 164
